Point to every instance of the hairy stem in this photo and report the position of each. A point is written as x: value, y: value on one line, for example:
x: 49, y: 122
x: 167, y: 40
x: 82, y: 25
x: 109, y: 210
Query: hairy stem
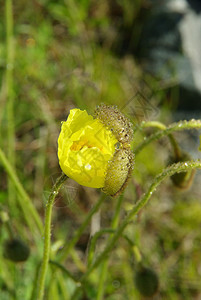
x: 159, y: 125
x: 47, y: 236
x: 192, y: 124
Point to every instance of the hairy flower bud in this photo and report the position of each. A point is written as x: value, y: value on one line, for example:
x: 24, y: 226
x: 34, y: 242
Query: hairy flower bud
x: 119, y: 171
x: 113, y: 119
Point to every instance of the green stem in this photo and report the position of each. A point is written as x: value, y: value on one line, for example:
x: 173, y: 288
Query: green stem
x: 155, y: 124
x: 192, y: 124
x: 172, y: 139
x: 137, y: 254
x: 104, y: 266
x: 66, y: 250
x: 169, y: 171
x: 24, y: 200
x: 47, y: 235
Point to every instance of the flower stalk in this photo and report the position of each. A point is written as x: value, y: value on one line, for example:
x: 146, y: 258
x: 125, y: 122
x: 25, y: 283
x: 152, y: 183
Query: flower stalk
x: 159, y: 125
x: 181, y: 125
x: 47, y: 236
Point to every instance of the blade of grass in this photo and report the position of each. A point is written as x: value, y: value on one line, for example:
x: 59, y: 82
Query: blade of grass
x: 30, y: 213
x: 9, y: 94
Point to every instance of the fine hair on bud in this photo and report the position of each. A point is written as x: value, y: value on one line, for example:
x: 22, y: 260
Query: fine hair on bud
x: 118, y: 172
x: 116, y: 122
x: 120, y: 167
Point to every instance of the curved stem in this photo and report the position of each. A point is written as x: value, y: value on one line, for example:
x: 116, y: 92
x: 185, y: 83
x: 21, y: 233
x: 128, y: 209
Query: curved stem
x: 169, y: 171
x: 47, y: 235
x: 159, y: 125
x: 155, y: 124
x: 192, y: 124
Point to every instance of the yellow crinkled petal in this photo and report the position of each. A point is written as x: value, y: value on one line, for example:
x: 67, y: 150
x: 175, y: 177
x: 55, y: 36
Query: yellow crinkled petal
x: 77, y: 119
x: 85, y: 147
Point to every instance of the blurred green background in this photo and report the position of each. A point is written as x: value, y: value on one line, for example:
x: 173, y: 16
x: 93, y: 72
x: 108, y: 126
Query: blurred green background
x: 67, y: 54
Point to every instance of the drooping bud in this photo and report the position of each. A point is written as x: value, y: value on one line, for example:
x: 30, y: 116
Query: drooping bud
x: 16, y: 250
x: 116, y: 122
x: 146, y: 281
x: 119, y: 171
x: 121, y: 165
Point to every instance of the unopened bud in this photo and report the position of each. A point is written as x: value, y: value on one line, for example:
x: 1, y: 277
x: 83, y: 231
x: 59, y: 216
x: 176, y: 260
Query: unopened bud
x: 16, y: 250
x: 146, y: 281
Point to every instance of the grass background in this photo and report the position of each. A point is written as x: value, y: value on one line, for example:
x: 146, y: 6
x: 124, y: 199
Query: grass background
x: 68, y: 54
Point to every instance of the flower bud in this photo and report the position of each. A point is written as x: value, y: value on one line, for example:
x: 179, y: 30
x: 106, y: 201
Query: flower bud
x: 16, y: 250
x: 96, y: 152
x: 182, y: 180
x: 146, y: 281
x: 116, y: 122
x: 119, y: 171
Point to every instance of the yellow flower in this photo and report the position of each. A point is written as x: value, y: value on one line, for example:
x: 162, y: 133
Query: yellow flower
x: 97, y: 152
x: 85, y: 147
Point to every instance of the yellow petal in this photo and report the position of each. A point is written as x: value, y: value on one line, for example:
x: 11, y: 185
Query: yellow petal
x: 85, y: 146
